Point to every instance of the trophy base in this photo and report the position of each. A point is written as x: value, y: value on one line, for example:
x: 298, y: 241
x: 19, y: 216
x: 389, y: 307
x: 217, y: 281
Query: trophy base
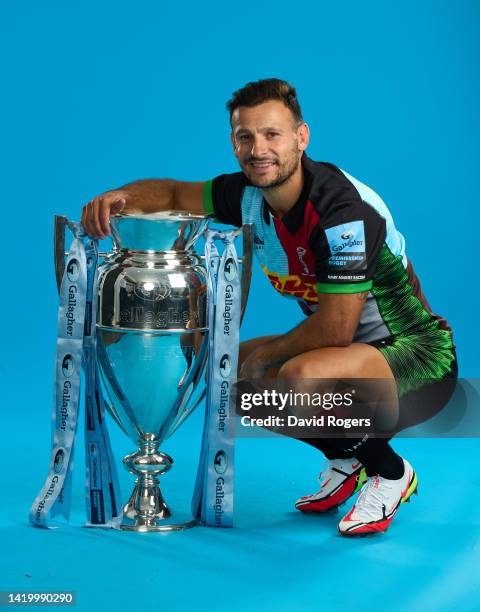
x: 184, y: 522
x: 146, y: 509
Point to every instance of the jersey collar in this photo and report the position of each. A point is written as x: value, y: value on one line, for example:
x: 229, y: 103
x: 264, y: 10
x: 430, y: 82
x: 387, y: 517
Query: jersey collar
x: 293, y: 219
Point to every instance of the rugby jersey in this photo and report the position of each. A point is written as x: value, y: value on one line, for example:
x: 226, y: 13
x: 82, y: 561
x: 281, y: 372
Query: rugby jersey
x: 339, y: 237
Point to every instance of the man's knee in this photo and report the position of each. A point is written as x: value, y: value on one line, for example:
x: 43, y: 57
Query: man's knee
x: 298, y: 368
x: 328, y: 362
x: 353, y: 361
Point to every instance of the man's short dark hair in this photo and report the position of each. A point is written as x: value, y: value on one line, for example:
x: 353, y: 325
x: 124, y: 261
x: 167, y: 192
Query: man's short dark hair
x: 256, y: 92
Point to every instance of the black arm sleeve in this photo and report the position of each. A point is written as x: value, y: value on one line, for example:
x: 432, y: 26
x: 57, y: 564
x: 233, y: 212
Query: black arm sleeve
x: 225, y: 195
x: 346, y: 245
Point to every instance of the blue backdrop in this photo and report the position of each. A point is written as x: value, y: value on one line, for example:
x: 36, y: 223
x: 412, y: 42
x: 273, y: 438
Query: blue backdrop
x: 98, y: 94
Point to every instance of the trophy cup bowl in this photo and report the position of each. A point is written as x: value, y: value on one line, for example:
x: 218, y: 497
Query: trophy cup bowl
x: 152, y: 340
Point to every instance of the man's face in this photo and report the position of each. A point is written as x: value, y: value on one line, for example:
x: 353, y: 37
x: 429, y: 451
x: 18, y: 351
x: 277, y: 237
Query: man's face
x: 267, y: 143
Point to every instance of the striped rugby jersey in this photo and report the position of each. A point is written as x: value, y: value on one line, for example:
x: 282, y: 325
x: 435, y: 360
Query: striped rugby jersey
x: 339, y: 237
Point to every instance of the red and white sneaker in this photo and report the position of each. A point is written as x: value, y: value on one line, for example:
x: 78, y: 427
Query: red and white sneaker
x: 378, y: 503
x: 341, y: 479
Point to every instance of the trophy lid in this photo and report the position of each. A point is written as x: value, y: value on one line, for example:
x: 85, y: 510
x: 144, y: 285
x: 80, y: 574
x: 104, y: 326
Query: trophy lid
x: 169, y: 230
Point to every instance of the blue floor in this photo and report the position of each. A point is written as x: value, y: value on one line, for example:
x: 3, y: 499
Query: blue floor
x: 98, y: 94
x: 274, y: 559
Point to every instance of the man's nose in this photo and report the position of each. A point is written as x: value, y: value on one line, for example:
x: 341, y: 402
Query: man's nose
x: 259, y: 147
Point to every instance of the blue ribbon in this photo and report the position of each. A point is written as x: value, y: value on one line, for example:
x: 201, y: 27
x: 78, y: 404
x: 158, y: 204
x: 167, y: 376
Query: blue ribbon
x: 76, y: 348
x: 212, y: 499
x: 102, y: 488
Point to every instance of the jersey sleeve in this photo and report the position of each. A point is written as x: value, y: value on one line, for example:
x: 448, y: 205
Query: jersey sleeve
x: 346, y: 245
x: 222, y: 198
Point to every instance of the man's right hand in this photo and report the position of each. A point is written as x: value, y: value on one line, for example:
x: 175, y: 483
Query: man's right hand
x: 141, y: 197
x: 96, y: 213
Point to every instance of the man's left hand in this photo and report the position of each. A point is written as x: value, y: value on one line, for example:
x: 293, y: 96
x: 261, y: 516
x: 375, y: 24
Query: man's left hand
x: 254, y: 366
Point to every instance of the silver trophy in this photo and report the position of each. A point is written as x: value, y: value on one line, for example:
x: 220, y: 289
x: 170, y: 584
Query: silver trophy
x: 152, y: 339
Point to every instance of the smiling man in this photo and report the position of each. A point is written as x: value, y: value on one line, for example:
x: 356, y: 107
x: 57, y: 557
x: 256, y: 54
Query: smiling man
x: 329, y: 242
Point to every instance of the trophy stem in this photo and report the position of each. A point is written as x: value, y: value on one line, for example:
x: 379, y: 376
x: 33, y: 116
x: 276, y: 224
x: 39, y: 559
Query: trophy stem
x: 146, y: 509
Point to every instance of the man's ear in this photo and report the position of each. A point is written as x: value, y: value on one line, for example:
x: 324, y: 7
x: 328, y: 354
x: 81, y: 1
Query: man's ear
x: 303, y: 134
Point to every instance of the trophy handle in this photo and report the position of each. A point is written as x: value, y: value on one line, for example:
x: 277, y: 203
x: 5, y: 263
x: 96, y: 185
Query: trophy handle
x: 247, y: 234
x: 59, y: 252
x: 59, y: 248
x: 247, y: 260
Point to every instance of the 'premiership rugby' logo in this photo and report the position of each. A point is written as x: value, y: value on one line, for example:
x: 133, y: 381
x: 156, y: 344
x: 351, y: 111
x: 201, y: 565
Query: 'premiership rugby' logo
x: 347, y: 246
x: 225, y: 366
x: 220, y: 462
x: 67, y: 366
x: 73, y: 270
x: 230, y: 269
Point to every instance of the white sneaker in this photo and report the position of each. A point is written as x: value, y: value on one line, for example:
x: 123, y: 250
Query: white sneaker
x: 341, y: 479
x: 378, y: 503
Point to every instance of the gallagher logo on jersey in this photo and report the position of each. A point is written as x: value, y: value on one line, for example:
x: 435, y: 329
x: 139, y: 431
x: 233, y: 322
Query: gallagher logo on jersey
x: 347, y: 246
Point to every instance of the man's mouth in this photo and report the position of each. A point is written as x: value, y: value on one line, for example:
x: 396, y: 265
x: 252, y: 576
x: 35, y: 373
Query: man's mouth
x: 262, y: 164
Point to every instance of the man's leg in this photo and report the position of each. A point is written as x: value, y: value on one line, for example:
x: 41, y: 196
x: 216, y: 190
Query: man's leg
x: 355, y: 361
x: 327, y: 446
x: 390, y: 479
x: 345, y: 474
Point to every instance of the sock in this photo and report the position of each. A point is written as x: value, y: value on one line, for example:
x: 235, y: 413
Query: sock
x: 378, y: 457
x: 330, y: 447
x: 376, y: 454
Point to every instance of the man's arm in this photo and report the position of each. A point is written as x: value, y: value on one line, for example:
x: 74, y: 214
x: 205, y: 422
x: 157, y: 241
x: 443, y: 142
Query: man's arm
x: 333, y: 324
x: 144, y: 196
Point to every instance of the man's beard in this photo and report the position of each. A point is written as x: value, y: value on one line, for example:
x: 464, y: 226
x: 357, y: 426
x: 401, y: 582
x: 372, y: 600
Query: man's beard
x: 284, y: 174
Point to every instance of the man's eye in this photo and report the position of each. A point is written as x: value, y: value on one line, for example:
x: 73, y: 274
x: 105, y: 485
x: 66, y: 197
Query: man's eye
x: 243, y: 138
x: 272, y: 134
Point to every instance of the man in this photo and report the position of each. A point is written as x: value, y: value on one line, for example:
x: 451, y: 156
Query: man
x: 328, y: 241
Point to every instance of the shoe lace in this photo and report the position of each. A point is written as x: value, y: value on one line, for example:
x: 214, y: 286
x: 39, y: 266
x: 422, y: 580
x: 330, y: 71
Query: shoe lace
x: 372, y: 497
